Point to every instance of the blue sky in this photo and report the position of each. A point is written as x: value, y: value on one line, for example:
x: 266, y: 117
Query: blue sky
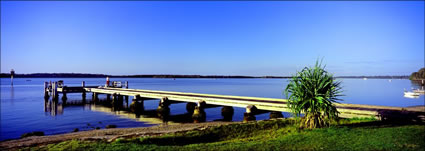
x: 212, y: 38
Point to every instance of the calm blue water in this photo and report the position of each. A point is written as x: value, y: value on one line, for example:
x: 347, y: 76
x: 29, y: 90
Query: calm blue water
x: 23, y: 107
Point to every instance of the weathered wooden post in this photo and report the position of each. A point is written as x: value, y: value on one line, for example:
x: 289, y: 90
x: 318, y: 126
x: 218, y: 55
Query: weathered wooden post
x: 120, y: 101
x: 190, y: 107
x: 12, y: 73
x: 199, y: 114
x: 64, y: 90
x: 114, y: 98
x: 83, y: 95
x: 163, y: 110
x: 275, y: 114
x: 227, y: 113
x: 108, y: 97
x: 137, y: 105
x: 126, y: 97
x: 249, y: 115
x: 55, y: 91
x: 46, y: 91
x: 95, y: 97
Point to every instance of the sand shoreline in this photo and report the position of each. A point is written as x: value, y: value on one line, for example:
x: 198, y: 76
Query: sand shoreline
x: 106, y: 134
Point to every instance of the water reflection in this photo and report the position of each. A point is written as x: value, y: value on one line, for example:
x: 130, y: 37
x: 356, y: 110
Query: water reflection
x: 12, y: 92
x: 135, y: 111
x: 53, y: 107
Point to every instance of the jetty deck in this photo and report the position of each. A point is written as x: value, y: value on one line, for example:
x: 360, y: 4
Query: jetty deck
x: 253, y: 105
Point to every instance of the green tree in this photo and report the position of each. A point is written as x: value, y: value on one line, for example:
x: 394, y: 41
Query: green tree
x: 312, y: 92
x: 420, y: 75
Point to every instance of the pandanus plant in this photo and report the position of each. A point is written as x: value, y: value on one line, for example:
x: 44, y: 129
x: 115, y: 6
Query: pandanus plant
x: 312, y: 92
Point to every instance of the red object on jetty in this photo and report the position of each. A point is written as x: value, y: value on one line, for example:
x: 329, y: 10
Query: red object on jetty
x: 107, y: 81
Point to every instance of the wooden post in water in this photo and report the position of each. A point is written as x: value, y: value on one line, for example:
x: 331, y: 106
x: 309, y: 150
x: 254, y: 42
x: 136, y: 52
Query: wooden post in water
x: 108, y: 97
x: 46, y: 91
x: 120, y: 101
x: 227, y: 113
x: 94, y: 97
x: 163, y: 110
x: 190, y: 107
x: 114, y: 97
x: 126, y: 97
x: 136, y: 105
x: 12, y: 73
x: 117, y: 99
x: 83, y: 84
x: 199, y: 114
x: 55, y: 91
x: 64, y: 98
x: 249, y: 115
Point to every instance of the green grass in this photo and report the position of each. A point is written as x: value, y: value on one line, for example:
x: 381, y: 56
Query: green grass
x: 352, y: 134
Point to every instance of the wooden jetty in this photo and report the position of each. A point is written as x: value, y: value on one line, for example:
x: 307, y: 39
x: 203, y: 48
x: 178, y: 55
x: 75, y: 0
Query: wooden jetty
x: 196, y: 102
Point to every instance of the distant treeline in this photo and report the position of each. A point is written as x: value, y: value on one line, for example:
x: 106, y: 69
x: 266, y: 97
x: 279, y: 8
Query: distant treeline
x: 420, y: 75
x: 375, y: 77
x: 86, y: 75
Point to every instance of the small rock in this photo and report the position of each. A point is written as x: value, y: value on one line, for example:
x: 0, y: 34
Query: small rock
x: 111, y: 126
x: 35, y: 133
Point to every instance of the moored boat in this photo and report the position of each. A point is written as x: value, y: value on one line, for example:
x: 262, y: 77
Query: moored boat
x: 407, y: 93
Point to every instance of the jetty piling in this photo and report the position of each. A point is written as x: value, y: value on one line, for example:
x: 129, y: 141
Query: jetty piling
x: 137, y: 105
x: 227, y: 113
x: 55, y: 94
x: 95, y: 97
x: 249, y: 115
x: 12, y: 73
x: 46, y: 91
x: 190, y: 107
x: 163, y: 110
x: 83, y: 95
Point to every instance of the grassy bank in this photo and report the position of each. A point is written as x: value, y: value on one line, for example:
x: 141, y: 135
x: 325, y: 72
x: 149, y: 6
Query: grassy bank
x: 357, y: 134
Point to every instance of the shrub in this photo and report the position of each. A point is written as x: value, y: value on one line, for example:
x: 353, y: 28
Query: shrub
x: 312, y: 92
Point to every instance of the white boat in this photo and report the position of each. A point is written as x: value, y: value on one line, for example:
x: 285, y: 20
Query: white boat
x: 364, y: 78
x: 419, y: 91
x: 411, y: 96
x: 407, y: 93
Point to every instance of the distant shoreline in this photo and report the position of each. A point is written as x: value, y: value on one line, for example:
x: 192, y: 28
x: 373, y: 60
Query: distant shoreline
x: 84, y: 75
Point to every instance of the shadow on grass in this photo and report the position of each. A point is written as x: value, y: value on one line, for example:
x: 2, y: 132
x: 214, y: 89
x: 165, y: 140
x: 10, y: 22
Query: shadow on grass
x: 228, y: 132
x: 389, y: 122
x: 214, y: 134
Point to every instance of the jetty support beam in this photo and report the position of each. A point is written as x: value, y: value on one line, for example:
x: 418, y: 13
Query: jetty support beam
x: 199, y: 114
x: 227, y: 113
x: 163, y: 110
x: 64, y: 98
x: 137, y: 105
x: 46, y: 91
x: 83, y: 95
x: 55, y: 91
x: 95, y: 97
x: 249, y: 115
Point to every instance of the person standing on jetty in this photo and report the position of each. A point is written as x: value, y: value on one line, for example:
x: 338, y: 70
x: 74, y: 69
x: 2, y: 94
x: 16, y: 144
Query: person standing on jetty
x: 107, y: 81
